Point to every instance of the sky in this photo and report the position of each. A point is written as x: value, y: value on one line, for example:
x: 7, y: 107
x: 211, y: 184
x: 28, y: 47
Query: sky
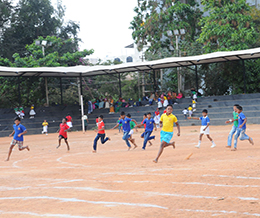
x: 104, y: 24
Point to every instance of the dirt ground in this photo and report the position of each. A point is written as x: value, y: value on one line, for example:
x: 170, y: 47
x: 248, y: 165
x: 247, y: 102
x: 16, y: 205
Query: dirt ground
x: 114, y: 182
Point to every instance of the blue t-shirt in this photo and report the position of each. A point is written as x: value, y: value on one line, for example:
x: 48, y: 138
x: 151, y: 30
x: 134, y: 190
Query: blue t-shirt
x: 149, y: 124
x: 125, y: 124
x: 18, y: 129
x: 241, y: 119
x: 204, y: 120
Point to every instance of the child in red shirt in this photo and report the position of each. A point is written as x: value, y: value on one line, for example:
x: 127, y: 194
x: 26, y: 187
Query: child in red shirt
x: 101, y: 134
x: 63, y: 133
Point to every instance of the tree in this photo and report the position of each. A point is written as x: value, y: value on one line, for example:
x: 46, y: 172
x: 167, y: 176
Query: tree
x: 228, y: 26
x: 33, y: 18
x: 156, y: 20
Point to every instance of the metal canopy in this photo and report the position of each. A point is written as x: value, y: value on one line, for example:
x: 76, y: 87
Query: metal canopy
x: 172, y: 62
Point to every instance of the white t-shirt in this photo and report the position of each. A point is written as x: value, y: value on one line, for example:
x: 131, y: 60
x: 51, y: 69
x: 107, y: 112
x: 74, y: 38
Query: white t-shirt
x: 185, y: 111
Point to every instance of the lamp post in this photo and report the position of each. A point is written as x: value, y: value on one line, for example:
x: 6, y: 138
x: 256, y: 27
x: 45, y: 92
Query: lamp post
x: 43, y: 43
x: 177, y: 33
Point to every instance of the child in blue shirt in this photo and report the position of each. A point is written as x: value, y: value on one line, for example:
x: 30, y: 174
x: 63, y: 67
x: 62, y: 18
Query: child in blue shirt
x: 126, y: 127
x: 241, y: 130
x: 204, y: 129
x: 19, y: 131
x: 149, y: 122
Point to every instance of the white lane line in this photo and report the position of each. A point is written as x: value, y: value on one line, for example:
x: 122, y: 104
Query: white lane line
x: 146, y: 193
x: 50, y: 215
x: 220, y: 211
x: 3, y: 188
x: 106, y: 203
x: 235, y: 177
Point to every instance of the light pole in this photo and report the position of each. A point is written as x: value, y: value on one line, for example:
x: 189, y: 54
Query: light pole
x: 177, y: 33
x: 43, y: 43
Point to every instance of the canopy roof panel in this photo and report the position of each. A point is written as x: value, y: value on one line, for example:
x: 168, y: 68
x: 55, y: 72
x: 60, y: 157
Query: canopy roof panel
x: 131, y: 67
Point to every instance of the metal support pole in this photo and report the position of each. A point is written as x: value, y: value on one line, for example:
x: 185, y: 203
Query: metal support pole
x: 197, y: 80
x: 82, y: 113
x: 47, y: 92
x: 19, y: 91
x: 120, y: 90
x: 61, y: 95
x: 80, y: 83
x: 154, y: 82
x: 244, y: 75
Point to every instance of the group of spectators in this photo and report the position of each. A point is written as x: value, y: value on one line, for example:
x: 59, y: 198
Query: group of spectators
x: 162, y: 100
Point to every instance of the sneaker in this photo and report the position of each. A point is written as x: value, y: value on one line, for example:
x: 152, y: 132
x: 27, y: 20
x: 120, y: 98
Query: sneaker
x: 197, y: 146
x: 213, y: 145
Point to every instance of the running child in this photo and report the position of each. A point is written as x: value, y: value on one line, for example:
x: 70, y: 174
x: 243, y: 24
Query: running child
x: 185, y: 112
x: 69, y: 121
x: 190, y: 111
x: 157, y: 117
x: 132, y: 126
x: 167, y: 122
x: 101, y: 134
x: 204, y: 129
x: 142, y: 135
x: 64, y: 128
x: 19, y: 131
x: 241, y: 130
x: 45, y: 127
x: 126, y: 127
x: 234, y: 120
x: 120, y: 125
x: 150, y: 124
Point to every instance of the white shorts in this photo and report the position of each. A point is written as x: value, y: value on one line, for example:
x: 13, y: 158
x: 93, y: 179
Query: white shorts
x: 206, y: 132
x: 45, y: 129
x: 69, y: 124
x: 131, y: 132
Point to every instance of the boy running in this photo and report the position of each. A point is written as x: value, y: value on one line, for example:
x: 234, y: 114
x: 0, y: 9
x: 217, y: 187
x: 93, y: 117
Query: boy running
x: 167, y: 122
x: 142, y: 135
x: 241, y: 128
x: 234, y: 127
x: 132, y: 126
x: 64, y: 128
x: 204, y: 129
x: 126, y: 127
x: 19, y: 131
x: 101, y: 134
x: 149, y: 122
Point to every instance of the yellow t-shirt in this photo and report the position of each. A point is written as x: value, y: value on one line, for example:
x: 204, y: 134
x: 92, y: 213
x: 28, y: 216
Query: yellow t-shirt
x: 168, y: 122
x: 190, y: 108
x: 45, y: 124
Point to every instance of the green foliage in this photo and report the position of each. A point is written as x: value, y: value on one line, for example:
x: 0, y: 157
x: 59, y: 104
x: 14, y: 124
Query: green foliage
x: 155, y: 18
x: 58, y: 53
x: 228, y: 26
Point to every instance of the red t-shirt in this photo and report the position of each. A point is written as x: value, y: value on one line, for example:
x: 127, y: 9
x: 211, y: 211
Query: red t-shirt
x: 144, y: 124
x: 97, y: 120
x: 69, y: 118
x: 164, y: 111
x: 63, y: 127
x: 100, y: 126
x: 157, y: 113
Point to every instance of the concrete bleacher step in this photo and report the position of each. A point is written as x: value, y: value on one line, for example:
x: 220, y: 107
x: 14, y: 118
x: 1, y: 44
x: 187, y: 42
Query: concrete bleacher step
x: 220, y: 109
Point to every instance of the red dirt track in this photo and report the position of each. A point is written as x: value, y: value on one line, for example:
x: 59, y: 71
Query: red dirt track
x: 114, y: 182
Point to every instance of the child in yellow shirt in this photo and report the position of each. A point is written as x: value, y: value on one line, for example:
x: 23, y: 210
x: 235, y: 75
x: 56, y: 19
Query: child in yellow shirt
x: 167, y: 121
x: 45, y: 127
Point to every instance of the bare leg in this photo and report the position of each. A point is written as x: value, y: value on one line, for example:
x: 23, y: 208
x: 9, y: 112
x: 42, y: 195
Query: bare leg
x: 162, y: 146
x: 209, y: 138
x: 132, y: 141
x: 59, y: 143
x: 9, y: 153
x: 22, y: 148
x: 200, y: 138
x: 150, y: 143
x: 68, y: 147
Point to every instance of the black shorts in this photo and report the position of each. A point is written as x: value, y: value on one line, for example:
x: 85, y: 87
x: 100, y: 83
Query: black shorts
x: 62, y: 137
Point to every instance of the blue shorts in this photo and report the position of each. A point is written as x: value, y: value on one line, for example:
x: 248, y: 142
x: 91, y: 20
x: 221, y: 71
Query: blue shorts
x: 166, y: 136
